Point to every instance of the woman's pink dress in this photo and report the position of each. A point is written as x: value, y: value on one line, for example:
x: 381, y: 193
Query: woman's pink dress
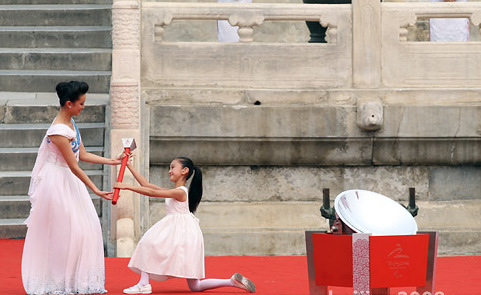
x: 173, y: 247
x: 63, y: 252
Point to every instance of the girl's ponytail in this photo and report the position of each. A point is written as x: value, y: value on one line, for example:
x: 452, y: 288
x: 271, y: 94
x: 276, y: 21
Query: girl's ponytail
x: 195, y: 188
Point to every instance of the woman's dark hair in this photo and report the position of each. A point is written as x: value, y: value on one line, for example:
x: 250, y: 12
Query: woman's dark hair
x: 195, y: 188
x: 70, y: 91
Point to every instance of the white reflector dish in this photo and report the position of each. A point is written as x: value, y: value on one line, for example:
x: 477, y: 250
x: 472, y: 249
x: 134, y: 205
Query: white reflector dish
x: 369, y: 212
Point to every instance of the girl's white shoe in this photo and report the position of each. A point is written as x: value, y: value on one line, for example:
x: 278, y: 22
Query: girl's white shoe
x: 147, y: 289
x: 242, y: 282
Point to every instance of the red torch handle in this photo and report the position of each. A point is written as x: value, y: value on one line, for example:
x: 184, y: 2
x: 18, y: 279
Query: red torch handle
x: 121, y: 175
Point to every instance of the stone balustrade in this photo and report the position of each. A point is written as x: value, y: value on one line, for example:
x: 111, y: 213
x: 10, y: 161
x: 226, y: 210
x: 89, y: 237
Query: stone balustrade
x: 246, y: 64
x: 245, y: 16
x: 428, y: 64
x: 341, y: 63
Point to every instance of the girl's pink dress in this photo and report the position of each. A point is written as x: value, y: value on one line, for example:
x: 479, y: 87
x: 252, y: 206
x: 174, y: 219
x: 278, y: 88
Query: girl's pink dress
x: 173, y: 247
x: 63, y: 252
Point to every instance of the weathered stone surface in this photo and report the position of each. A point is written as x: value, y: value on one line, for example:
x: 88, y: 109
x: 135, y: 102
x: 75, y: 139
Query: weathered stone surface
x: 315, y: 135
x: 277, y: 228
x: 455, y: 183
x: 251, y: 121
x: 288, y: 184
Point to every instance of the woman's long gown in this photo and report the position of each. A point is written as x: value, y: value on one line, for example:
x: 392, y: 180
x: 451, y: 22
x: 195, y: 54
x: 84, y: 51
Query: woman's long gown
x: 63, y: 252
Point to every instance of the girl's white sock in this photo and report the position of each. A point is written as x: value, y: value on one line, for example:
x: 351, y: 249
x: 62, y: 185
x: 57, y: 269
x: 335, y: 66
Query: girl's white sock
x: 144, y: 279
x: 196, y: 285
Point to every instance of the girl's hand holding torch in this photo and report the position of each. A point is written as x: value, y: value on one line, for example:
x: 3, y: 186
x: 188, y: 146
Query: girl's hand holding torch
x: 129, y: 146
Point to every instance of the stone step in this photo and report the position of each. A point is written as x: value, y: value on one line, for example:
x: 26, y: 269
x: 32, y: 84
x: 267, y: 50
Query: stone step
x: 260, y: 242
x: 55, y: 15
x: 12, y: 228
x: 45, y: 81
x: 277, y: 228
x: 30, y: 108
x: 56, y: 37
x: 16, y: 207
x: 81, y: 59
x: 31, y: 135
x: 34, y: 2
x: 260, y: 215
x: 254, y: 215
x: 291, y: 241
x: 459, y: 242
x: 450, y: 215
x: 23, y: 159
x: 16, y: 183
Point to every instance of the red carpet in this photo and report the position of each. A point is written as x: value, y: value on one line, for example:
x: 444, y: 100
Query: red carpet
x: 272, y: 275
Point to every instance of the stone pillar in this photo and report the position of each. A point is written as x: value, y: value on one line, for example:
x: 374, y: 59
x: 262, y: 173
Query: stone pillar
x: 125, y: 117
x: 366, y: 18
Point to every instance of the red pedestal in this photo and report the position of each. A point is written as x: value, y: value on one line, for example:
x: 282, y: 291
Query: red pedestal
x: 371, y: 263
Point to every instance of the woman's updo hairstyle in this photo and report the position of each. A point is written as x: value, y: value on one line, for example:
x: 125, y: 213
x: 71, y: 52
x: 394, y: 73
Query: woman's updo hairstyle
x: 70, y: 91
x: 195, y: 188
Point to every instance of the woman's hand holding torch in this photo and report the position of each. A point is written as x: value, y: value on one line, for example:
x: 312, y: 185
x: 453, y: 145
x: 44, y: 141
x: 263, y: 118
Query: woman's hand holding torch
x: 129, y: 146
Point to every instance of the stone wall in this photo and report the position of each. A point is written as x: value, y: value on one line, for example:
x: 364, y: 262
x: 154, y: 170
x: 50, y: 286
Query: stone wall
x: 272, y: 123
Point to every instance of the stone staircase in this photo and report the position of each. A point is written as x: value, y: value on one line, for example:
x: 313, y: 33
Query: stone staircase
x: 278, y: 228
x: 23, y: 123
x: 44, y: 42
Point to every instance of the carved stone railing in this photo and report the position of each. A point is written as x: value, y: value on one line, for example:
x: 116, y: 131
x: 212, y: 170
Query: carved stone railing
x: 409, y: 14
x: 245, y: 16
x: 247, y: 63
x: 363, y: 38
x: 428, y: 64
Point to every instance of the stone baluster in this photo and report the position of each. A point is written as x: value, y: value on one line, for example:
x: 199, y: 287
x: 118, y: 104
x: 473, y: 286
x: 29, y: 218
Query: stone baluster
x: 408, y: 21
x: 475, y: 19
x: 246, y: 20
x: 366, y: 50
x: 330, y: 22
x: 160, y: 22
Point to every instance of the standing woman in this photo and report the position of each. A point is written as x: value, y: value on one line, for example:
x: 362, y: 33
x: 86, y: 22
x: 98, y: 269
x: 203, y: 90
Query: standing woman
x: 63, y: 252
